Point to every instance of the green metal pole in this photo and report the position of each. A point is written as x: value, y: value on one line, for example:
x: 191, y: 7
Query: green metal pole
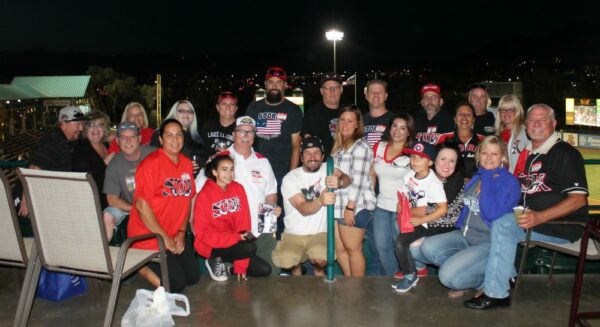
x: 330, y: 229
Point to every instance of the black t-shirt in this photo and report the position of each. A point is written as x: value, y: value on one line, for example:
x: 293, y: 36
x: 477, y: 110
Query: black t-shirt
x: 274, y: 128
x: 53, y: 151
x: 216, y: 136
x: 548, y: 179
x: 321, y: 122
x: 86, y: 159
x: 375, y: 127
x: 430, y: 130
x: 467, y: 151
x: 485, y: 124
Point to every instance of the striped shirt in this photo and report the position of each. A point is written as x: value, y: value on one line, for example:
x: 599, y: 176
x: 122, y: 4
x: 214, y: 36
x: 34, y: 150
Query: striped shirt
x: 356, y: 163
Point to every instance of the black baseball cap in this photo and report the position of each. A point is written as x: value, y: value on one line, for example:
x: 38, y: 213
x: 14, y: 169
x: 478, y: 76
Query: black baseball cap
x: 311, y: 142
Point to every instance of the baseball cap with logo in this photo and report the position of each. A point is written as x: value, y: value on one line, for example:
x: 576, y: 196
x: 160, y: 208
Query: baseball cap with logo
x: 311, y: 142
x: 431, y: 87
x: 245, y: 121
x: 70, y: 113
x: 330, y: 77
x: 276, y: 72
x: 424, y: 150
x: 126, y: 125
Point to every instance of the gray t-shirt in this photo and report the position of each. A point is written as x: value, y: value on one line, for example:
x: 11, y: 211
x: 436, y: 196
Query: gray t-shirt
x: 120, y: 175
x: 474, y: 229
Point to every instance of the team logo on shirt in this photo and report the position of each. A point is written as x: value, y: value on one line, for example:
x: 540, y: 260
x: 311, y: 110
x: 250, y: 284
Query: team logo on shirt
x: 257, y: 176
x: 177, y: 186
x: 536, y: 167
x: 313, y: 191
x: 225, y: 207
x: 431, y: 136
x: 268, y: 124
x: 533, y: 183
x: 333, y: 124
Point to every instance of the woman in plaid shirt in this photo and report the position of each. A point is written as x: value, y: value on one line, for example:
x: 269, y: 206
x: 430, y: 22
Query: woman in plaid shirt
x: 354, y: 204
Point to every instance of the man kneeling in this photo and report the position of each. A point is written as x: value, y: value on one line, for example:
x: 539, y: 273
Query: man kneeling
x: 305, y: 196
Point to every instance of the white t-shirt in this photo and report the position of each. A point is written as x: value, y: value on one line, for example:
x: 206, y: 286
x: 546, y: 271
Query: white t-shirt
x: 423, y: 191
x: 390, y: 175
x: 256, y: 176
x: 310, y: 185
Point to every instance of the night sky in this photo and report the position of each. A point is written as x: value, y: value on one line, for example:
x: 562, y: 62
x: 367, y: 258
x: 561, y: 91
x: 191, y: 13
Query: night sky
x: 375, y: 32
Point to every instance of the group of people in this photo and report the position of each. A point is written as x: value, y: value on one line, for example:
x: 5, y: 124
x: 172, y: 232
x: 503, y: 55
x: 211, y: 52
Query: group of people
x: 249, y: 194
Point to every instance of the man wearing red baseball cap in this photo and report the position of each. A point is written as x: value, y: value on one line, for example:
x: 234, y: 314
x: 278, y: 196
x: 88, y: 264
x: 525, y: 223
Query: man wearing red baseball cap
x: 278, y: 124
x: 433, y: 120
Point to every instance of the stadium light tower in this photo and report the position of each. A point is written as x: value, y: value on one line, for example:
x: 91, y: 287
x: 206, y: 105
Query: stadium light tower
x: 334, y: 36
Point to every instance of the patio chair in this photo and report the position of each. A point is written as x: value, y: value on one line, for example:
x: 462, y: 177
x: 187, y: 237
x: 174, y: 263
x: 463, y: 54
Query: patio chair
x: 592, y: 232
x: 70, y: 237
x: 592, y: 253
x: 14, y: 249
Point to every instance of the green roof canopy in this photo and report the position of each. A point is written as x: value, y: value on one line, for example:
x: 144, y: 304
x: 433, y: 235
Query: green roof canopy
x: 39, y: 87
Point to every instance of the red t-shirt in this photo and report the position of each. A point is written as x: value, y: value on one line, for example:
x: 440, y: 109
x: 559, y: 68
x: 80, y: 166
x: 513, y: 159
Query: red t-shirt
x: 219, y: 218
x: 168, y: 188
x: 146, y: 138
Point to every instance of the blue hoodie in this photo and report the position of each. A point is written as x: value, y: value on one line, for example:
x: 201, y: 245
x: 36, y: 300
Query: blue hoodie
x: 500, y: 192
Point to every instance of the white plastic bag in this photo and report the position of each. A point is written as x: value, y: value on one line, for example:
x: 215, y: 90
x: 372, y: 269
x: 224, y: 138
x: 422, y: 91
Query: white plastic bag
x: 154, y: 309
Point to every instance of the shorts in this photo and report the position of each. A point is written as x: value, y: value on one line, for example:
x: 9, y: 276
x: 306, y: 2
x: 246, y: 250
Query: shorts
x: 117, y: 213
x: 293, y: 249
x: 361, y: 219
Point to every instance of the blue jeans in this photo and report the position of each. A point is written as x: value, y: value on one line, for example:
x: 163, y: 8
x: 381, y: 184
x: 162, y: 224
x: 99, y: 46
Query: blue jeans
x: 462, y: 265
x: 506, y: 235
x: 385, y: 230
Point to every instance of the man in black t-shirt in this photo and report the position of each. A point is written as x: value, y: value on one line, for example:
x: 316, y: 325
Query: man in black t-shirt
x: 321, y: 119
x: 378, y: 117
x: 278, y: 124
x: 554, y: 186
x: 485, y: 119
x: 218, y: 133
x: 54, y: 150
x: 433, y: 120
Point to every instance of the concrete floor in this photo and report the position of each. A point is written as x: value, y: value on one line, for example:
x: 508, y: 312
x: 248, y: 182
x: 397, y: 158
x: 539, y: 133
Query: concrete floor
x: 309, y: 301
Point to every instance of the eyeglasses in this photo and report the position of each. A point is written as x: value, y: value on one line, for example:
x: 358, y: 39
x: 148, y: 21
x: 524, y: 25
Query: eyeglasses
x: 431, y: 97
x: 507, y: 110
x: 331, y: 88
x: 183, y: 111
x: 125, y: 138
x: 242, y: 132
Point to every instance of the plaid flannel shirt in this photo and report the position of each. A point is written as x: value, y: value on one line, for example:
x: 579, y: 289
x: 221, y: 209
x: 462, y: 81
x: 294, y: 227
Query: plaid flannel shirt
x: 356, y: 163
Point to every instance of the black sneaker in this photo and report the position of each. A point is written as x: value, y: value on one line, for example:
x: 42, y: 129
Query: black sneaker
x: 216, y: 269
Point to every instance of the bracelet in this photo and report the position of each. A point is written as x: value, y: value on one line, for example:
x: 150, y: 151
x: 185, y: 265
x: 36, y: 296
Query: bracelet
x: 349, y: 209
x: 340, y: 183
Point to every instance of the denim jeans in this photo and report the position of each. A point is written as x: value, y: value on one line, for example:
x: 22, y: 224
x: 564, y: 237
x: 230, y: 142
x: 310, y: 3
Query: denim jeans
x: 462, y: 265
x: 506, y: 235
x: 386, y: 232
x: 374, y: 266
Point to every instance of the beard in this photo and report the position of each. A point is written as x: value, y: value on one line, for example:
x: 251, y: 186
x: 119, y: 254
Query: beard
x: 274, y: 96
x: 309, y: 169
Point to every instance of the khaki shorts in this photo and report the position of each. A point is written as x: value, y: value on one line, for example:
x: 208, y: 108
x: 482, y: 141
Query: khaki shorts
x: 295, y: 249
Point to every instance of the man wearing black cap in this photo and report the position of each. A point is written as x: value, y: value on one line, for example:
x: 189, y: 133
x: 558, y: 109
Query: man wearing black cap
x: 321, y: 119
x: 484, y: 119
x: 278, y: 124
x: 54, y: 150
x: 305, y: 197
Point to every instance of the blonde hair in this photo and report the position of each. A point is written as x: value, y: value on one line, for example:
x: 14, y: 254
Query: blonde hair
x: 193, y: 128
x: 511, y: 101
x: 135, y: 104
x: 341, y: 144
x: 492, y: 140
x: 93, y: 116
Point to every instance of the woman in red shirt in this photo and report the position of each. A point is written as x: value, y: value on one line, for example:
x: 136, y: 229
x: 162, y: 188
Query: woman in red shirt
x: 162, y: 201
x: 222, y: 224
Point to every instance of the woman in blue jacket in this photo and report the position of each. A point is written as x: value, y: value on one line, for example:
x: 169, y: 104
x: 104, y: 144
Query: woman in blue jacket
x: 491, y: 193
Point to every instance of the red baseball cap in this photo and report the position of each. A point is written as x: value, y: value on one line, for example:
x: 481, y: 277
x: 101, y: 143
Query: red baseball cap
x: 431, y: 87
x: 276, y: 72
x: 227, y: 95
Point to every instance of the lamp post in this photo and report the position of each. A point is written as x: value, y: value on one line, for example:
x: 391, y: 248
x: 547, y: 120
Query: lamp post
x: 334, y: 36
